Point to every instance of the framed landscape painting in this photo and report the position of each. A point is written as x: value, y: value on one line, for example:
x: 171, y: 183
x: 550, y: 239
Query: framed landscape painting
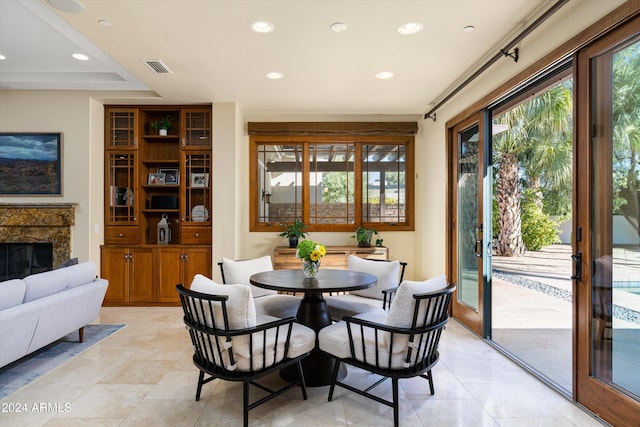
x: 31, y: 164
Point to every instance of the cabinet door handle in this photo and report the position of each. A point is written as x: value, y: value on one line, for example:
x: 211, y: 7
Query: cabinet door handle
x: 121, y: 235
x: 197, y: 234
x: 186, y: 258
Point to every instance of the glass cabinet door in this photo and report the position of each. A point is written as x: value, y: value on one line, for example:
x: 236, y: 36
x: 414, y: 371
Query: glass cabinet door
x: 197, y: 128
x: 122, y: 128
x: 121, y: 173
x: 197, y: 197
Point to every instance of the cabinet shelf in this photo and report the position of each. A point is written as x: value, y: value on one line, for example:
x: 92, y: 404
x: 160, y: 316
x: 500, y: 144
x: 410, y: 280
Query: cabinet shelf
x: 159, y: 162
x: 141, y: 271
x: 160, y: 211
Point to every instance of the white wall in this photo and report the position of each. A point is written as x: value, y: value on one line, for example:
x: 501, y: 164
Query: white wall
x: 71, y: 114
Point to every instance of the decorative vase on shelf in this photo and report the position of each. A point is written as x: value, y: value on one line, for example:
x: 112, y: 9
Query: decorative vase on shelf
x: 310, y: 268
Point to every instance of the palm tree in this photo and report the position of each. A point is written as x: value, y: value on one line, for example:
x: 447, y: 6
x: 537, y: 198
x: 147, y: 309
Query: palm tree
x: 626, y: 133
x: 537, y: 148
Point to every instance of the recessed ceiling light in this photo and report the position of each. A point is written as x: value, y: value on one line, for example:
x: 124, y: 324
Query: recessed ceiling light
x: 70, y: 6
x: 338, y: 27
x: 2, y: 57
x: 274, y: 75
x: 262, y: 26
x: 409, y: 28
x: 468, y: 28
x: 80, y: 57
x: 104, y: 22
x: 384, y: 75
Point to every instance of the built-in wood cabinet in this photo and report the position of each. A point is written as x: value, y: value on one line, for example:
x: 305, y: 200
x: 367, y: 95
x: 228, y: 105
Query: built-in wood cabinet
x: 284, y: 257
x: 130, y: 273
x: 151, y: 175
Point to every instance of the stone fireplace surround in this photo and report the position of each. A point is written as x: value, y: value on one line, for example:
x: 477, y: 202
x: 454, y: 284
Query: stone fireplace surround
x: 39, y: 223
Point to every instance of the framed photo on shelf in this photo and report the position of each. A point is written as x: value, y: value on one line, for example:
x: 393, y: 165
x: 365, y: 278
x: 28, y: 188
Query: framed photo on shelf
x: 156, y: 179
x: 121, y: 196
x: 171, y: 176
x: 199, y: 180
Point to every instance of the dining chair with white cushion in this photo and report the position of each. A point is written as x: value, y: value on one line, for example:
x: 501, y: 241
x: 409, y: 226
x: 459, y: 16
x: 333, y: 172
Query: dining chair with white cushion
x: 374, y: 299
x: 266, y: 301
x: 233, y: 343
x: 400, y: 344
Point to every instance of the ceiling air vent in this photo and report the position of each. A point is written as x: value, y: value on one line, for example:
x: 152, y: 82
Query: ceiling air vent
x: 157, y: 66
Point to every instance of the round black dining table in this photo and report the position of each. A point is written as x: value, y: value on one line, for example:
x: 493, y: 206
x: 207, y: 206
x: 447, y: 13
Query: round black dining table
x: 313, y: 311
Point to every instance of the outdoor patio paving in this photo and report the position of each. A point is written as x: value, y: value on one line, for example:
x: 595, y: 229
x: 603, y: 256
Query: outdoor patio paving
x: 532, y: 311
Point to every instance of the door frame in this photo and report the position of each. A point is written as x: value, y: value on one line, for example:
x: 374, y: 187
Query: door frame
x: 601, y: 398
x: 473, y: 319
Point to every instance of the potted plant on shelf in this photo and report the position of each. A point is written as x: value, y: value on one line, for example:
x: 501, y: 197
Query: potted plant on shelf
x: 363, y: 236
x: 162, y: 125
x: 293, y: 232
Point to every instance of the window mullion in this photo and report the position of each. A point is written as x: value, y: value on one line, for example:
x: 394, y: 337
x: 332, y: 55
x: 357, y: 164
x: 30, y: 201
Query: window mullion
x: 357, y: 182
x: 306, y: 190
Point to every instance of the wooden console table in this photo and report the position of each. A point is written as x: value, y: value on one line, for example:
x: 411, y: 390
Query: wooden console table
x: 284, y: 257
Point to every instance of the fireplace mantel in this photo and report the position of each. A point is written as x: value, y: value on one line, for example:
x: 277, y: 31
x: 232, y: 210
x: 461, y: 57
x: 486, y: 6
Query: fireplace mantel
x: 39, y: 223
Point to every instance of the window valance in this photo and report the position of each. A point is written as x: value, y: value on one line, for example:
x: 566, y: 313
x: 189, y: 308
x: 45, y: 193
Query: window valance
x: 332, y: 128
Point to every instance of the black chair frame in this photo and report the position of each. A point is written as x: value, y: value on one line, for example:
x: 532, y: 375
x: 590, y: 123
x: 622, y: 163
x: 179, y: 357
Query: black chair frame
x: 211, y: 341
x: 424, y: 337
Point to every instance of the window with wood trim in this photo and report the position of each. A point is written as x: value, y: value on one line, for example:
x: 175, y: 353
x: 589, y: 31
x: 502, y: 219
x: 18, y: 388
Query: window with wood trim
x: 332, y: 182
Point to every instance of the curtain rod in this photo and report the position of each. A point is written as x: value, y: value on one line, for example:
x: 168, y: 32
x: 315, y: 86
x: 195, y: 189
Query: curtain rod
x: 503, y: 52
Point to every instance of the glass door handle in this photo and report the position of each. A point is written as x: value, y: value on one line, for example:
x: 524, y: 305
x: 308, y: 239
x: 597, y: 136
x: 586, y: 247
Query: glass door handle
x: 577, y: 266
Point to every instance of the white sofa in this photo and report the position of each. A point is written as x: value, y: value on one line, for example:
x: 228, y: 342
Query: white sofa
x: 44, y: 307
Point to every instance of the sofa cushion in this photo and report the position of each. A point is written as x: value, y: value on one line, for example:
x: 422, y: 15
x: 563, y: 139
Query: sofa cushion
x: 239, y: 272
x: 50, y: 282
x: 387, y: 273
x: 12, y: 293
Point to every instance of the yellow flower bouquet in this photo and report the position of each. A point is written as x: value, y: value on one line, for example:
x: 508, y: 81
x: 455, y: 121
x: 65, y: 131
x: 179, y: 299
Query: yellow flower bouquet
x: 310, y: 253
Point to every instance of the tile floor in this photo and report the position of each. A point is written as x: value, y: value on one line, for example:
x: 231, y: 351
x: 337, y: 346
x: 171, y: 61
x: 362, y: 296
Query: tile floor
x: 143, y: 376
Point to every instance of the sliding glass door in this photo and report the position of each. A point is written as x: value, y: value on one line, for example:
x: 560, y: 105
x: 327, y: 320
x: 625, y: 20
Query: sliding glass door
x: 607, y: 231
x: 466, y: 177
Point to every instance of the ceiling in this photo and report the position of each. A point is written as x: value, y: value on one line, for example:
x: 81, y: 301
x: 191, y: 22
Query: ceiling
x: 213, y: 56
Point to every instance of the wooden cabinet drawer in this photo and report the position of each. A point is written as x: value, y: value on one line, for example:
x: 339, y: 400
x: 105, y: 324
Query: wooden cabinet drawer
x: 121, y: 235
x: 195, y: 235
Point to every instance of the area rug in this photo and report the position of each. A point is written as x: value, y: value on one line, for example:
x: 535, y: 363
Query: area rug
x: 23, y: 371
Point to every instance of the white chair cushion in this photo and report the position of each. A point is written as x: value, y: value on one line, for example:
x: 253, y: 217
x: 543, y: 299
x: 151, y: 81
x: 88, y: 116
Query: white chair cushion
x: 239, y: 272
x: 387, y: 274
x: 351, y: 305
x: 303, y: 340
x: 402, y: 306
x: 334, y: 339
x: 280, y: 306
x: 241, y: 310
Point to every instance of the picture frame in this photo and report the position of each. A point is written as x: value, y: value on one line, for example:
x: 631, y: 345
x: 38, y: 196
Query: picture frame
x: 199, y: 180
x: 156, y: 179
x: 171, y: 176
x: 31, y: 163
x: 121, y: 196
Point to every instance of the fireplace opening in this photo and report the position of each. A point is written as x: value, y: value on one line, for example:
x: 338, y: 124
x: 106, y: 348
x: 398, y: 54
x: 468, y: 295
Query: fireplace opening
x: 18, y: 260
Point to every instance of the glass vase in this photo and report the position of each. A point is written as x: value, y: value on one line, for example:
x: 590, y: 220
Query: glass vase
x: 310, y: 268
